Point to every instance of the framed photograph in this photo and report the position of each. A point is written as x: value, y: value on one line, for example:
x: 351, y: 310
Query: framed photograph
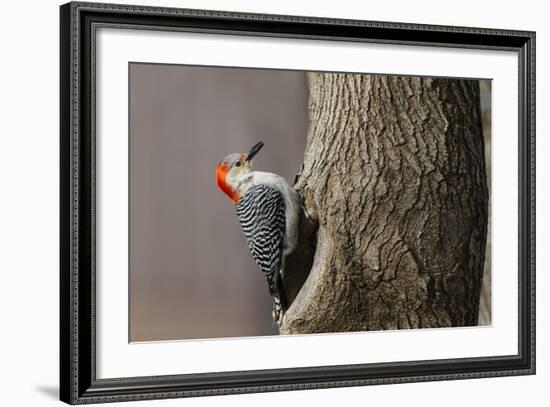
x: 255, y: 203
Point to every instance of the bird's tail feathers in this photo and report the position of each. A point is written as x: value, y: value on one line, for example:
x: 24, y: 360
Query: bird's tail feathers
x: 279, y: 299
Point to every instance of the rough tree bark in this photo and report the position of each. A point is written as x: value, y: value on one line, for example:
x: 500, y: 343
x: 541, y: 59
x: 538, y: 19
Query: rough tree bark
x: 394, y: 181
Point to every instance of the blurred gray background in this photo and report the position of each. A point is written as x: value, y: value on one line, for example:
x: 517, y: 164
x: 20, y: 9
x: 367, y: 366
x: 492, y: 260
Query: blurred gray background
x: 191, y: 275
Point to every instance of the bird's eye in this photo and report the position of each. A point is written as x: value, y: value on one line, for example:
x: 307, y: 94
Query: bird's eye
x: 238, y: 163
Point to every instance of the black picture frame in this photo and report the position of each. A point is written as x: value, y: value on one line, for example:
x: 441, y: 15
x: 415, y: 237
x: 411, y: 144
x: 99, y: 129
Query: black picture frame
x: 78, y: 382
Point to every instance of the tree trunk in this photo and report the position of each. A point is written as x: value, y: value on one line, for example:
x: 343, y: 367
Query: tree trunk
x: 394, y: 182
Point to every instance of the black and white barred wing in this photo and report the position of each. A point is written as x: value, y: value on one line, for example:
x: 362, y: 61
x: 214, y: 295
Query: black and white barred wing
x: 261, y: 213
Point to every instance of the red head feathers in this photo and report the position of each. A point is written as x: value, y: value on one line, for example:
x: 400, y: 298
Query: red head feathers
x: 221, y: 176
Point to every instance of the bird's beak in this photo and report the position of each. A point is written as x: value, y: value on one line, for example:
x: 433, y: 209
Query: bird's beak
x: 254, y: 150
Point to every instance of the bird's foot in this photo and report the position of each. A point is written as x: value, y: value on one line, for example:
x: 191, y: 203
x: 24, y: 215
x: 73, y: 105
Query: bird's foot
x: 301, y: 195
x: 306, y: 213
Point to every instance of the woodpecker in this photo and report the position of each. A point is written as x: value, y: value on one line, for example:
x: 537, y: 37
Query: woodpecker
x: 268, y: 209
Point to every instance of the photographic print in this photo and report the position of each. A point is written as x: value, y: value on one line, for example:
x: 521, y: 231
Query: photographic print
x: 275, y: 202
x: 236, y: 182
